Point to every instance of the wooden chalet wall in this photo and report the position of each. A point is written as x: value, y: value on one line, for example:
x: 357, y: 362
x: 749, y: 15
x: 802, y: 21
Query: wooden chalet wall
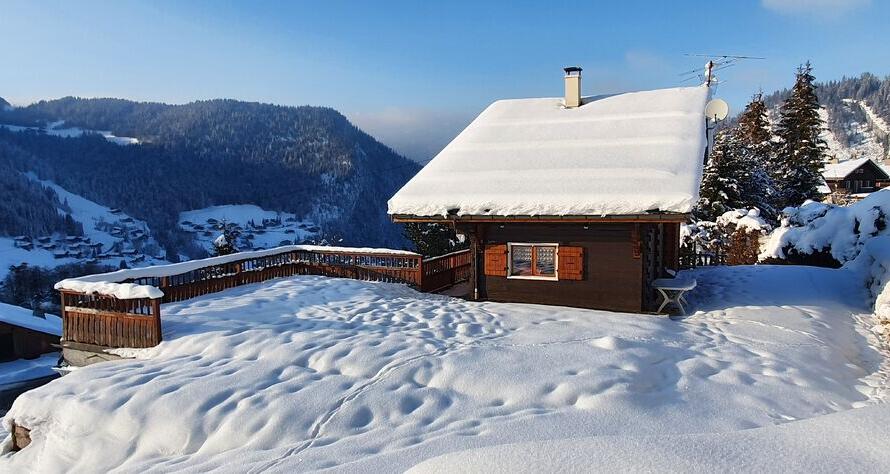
x: 853, y: 182
x: 22, y: 343
x: 612, y: 258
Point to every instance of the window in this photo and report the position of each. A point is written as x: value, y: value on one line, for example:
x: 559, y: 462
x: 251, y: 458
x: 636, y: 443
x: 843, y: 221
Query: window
x: 533, y: 261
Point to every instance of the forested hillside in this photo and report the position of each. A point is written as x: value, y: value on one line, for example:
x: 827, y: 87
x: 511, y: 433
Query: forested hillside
x: 27, y: 208
x: 309, y: 161
x: 853, y: 104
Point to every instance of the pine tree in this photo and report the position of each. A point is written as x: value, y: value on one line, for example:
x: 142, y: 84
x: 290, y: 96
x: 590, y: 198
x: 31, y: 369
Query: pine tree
x: 759, y: 153
x: 801, y: 151
x: 724, y: 177
x: 432, y: 240
x: 225, y: 243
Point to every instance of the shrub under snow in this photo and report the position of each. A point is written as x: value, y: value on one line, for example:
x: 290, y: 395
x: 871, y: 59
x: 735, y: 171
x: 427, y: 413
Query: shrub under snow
x: 735, y: 234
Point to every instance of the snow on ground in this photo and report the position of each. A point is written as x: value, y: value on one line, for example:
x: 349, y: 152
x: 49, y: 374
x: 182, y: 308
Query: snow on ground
x: 310, y: 372
x: 90, y: 214
x: 853, y: 440
x: 22, y: 370
x: 864, y: 144
x: 98, y: 222
x: 24, y: 317
x: 11, y: 255
x: 286, y: 226
x: 56, y: 129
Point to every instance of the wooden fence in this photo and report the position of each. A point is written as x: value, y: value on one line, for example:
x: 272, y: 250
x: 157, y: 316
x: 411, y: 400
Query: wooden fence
x: 106, y: 321
x: 445, y: 271
x: 692, y: 256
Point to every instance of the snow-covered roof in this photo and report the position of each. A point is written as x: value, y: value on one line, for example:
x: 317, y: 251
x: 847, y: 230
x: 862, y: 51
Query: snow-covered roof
x: 844, y: 168
x: 614, y: 155
x: 23, y: 317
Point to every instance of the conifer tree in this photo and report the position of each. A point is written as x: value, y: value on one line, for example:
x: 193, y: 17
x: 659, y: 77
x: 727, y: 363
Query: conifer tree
x: 225, y: 243
x: 721, y: 187
x: 801, y: 151
x: 432, y: 240
x: 759, y: 155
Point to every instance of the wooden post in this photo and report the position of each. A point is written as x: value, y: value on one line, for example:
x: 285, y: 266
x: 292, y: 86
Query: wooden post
x: 64, y: 316
x: 156, y: 314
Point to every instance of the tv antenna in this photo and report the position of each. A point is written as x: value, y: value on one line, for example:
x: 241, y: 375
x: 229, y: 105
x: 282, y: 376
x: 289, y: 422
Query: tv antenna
x: 716, y: 62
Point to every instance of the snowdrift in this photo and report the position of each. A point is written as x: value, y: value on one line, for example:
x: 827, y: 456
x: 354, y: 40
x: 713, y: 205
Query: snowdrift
x: 307, y: 373
x: 857, y: 236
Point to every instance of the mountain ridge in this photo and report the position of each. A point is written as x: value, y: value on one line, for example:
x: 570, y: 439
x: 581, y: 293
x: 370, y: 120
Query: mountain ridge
x: 307, y: 160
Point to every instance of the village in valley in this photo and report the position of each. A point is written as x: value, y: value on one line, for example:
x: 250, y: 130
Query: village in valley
x: 643, y: 264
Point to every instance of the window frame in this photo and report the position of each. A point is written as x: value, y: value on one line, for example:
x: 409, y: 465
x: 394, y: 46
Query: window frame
x: 534, y: 246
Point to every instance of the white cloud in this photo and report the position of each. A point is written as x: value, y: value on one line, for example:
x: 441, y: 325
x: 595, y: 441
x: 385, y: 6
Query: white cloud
x: 814, y: 7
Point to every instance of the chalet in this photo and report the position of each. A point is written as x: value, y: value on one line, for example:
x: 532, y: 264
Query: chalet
x: 24, y: 335
x: 857, y: 178
x: 575, y: 201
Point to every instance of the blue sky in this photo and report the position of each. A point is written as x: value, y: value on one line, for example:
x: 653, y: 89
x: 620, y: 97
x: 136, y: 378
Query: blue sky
x: 414, y: 73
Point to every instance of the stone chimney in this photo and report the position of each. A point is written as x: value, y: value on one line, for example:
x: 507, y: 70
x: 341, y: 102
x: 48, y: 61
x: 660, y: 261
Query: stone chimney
x: 573, y: 86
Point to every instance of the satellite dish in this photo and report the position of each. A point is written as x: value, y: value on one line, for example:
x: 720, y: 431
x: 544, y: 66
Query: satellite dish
x: 716, y: 110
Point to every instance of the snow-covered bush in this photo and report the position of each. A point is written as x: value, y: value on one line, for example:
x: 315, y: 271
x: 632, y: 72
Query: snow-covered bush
x: 742, y: 229
x: 735, y: 235
x: 816, y: 229
x: 873, y: 262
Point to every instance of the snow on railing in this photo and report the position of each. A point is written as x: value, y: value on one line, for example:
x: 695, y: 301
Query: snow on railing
x: 122, y: 308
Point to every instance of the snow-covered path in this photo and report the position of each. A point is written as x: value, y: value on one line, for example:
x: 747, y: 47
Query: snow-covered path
x: 309, y: 372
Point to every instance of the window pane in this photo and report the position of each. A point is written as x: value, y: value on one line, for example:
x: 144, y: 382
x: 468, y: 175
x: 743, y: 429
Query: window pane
x: 545, y: 264
x: 520, y: 260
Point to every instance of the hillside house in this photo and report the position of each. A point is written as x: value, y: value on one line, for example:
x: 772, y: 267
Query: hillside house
x: 575, y: 201
x: 855, y: 178
x: 26, y: 336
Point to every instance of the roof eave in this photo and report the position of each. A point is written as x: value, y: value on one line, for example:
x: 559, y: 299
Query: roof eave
x: 643, y: 217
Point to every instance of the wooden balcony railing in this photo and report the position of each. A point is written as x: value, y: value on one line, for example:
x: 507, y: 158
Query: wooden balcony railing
x: 95, y: 316
x: 445, y: 271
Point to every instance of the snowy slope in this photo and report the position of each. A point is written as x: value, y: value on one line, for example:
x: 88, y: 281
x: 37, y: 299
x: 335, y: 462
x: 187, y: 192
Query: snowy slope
x: 122, y: 238
x: 11, y: 255
x: 304, y: 373
x: 257, y: 227
x: 93, y: 215
x: 57, y: 129
x: 865, y: 144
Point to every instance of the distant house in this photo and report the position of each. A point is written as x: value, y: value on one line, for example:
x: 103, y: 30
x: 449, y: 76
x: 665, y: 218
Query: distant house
x: 856, y: 178
x: 25, y: 336
x: 573, y: 202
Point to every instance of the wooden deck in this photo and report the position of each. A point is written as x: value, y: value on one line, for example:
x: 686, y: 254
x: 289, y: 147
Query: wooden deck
x: 106, y: 321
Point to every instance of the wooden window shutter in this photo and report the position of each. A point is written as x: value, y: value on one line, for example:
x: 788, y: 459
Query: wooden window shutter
x: 571, y: 263
x: 496, y: 260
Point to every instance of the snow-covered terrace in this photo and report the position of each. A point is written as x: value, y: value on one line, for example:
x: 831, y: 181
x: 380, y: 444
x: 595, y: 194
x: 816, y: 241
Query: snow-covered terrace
x: 777, y: 370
